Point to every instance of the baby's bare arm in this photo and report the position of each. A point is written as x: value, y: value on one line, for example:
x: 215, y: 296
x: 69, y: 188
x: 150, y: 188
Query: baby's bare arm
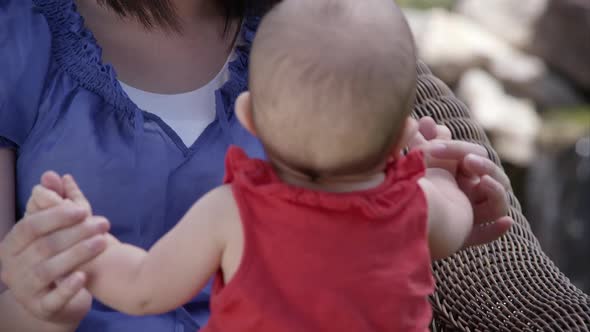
x: 175, y: 269
x: 450, y: 214
x: 131, y: 280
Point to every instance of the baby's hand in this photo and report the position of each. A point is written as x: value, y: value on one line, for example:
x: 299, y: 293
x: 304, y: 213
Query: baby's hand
x: 484, y: 183
x: 42, y: 199
x: 73, y: 192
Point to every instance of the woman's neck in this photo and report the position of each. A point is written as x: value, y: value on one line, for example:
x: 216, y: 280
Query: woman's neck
x: 196, y: 10
x: 159, y: 60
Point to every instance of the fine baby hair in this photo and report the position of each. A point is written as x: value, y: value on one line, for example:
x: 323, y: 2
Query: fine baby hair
x: 357, y: 84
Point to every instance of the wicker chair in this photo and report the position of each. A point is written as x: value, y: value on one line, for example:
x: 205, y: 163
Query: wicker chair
x: 509, y: 285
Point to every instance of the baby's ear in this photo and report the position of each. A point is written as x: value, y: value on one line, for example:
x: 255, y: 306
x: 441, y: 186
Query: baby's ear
x: 244, y: 111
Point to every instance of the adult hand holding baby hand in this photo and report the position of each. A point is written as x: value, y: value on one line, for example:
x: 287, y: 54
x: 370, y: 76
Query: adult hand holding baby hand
x: 482, y: 181
x: 40, y: 254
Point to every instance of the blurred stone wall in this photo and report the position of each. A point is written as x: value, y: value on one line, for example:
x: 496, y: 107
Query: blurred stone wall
x: 523, y: 68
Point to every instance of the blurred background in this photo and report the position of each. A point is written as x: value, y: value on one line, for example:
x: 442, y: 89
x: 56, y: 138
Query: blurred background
x: 523, y: 69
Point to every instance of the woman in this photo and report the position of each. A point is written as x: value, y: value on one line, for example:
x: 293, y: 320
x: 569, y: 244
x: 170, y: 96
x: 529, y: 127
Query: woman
x: 144, y: 143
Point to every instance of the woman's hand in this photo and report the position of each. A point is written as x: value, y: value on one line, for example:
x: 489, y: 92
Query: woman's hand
x: 482, y: 181
x: 38, y: 257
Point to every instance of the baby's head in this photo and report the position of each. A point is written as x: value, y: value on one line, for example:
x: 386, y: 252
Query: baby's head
x: 332, y: 83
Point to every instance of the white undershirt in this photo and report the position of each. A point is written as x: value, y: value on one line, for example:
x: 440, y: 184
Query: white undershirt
x: 188, y: 114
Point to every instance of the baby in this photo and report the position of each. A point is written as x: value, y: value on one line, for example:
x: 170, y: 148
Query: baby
x: 336, y: 231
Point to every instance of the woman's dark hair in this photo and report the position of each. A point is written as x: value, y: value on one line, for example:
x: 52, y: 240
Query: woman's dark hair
x: 153, y: 13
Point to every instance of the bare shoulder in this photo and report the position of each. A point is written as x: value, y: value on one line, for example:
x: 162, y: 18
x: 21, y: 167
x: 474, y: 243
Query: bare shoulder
x: 220, y: 207
x: 220, y: 200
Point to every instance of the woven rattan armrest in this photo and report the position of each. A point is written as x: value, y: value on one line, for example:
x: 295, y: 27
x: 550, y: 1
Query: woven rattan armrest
x: 510, y: 284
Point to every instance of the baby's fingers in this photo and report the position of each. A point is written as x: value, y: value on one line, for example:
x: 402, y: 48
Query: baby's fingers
x: 431, y: 130
x: 42, y: 199
x: 52, y: 181
x: 486, y: 233
x: 73, y: 192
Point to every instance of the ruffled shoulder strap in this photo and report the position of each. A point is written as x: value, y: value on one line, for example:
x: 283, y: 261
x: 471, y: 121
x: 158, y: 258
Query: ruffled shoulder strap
x: 398, y: 189
x: 243, y: 170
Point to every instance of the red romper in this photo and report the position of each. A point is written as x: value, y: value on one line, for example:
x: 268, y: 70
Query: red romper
x: 318, y: 261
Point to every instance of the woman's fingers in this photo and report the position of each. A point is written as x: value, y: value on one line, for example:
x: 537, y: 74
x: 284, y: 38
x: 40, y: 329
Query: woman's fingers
x: 37, y: 225
x: 65, y: 290
x: 456, y: 150
x: 468, y: 184
x: 482, y: 181
x: 32, y: 272
x: 417, y: 141
x: 48, y: 271
x: 486, y: 233
x: 59, y: 241
x: 490, y: 201
x: 431, y: 130
x: 449, y: 154
x: 443, y: 132
x: 426, y: 132
x: 490, y: 209
x: 427, y: 127
x: 476, y: 165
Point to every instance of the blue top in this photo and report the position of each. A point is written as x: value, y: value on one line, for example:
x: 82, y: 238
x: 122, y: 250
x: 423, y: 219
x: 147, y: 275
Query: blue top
x: 62, y: 109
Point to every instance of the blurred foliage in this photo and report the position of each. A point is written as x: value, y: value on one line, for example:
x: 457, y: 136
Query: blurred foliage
x: 578, y: 114
x: 563, y: 127
x: 425, y: 4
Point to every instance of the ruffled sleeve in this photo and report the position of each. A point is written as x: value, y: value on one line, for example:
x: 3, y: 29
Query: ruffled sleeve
x: 25, y: 51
